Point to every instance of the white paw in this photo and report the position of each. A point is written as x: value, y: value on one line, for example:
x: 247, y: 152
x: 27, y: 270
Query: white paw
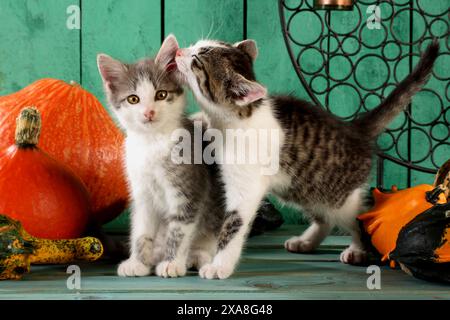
x: 133, y: 268
x: 171, y: 269
x: 298, y: 244
x: 198, y: 259
x: 353, y: 255
x: 212, y: 271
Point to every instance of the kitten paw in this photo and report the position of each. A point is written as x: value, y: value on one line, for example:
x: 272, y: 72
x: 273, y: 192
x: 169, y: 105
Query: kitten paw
x: 299, y: 245
x: 353, y: 256
x: 212, y: 271
x: 171, y: 269
x: 133, y: 268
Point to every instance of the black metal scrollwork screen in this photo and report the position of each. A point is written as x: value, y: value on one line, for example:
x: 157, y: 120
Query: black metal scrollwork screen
x: 348, y: 61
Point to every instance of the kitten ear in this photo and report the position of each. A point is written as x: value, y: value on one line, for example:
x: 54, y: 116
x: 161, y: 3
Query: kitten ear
x: 167, y: 52
x: 249, y: 47
x: 245, y: 91
x: 110, y: 69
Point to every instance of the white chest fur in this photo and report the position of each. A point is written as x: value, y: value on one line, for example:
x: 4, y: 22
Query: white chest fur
x: 145, y: 162
x: 262, y: 137
x: 241, y: 179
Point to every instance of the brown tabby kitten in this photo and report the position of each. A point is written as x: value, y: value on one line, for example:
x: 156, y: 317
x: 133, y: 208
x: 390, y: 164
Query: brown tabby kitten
x: 324, y: 162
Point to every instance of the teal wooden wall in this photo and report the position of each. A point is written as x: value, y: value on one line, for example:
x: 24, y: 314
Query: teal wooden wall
x: 35, y: 42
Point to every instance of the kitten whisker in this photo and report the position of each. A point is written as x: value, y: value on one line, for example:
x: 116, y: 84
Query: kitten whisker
x: 210, y: 29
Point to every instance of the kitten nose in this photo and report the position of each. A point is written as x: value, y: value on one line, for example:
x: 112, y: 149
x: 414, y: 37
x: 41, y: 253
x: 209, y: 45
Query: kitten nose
x: 179, y: 53
x: 149, y: 114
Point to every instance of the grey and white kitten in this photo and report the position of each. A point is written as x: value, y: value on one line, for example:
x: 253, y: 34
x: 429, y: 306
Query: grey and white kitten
x: 324, y: 162
x: 176, y: 213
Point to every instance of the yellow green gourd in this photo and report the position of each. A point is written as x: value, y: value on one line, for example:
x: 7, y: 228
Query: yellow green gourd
x: 18, y: 250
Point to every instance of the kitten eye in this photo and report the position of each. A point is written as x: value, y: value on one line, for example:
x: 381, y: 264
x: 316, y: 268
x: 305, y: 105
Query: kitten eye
x: 204, y: 50
x: 197, y: 63
x: 161, y: 95
x: 133, y: 99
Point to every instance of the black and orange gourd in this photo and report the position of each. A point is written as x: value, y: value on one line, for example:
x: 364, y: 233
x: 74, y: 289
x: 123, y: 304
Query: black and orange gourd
x: 411, y: 228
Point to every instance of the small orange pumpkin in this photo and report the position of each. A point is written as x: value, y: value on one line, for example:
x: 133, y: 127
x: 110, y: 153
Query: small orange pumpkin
x: 43, y: 194
x: 77, y: 131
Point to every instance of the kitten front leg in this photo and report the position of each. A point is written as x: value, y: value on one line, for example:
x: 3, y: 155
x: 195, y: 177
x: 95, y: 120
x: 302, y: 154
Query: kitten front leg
x: 144, y: 224
x: 203, y: 249
x: 198, y: 258
x: 178, y: 242
x: 240, y: 214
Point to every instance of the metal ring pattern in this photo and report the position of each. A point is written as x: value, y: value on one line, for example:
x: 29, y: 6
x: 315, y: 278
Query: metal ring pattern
x: 383, y: 69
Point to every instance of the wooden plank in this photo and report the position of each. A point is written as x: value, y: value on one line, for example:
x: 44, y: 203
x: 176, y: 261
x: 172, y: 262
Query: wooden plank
x: 264, y: 273
x: 263, y: 280
x: 276, y: 238
x: 371, y: 72
x: 197, y: 19
x: 429, y: 105
x: 126, y: 30
x: 273, y: 67
x: 36, y: 43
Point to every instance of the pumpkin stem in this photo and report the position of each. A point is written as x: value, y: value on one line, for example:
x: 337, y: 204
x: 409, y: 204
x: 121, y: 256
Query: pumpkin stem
x: 28, y: 127
x: 74, y: 83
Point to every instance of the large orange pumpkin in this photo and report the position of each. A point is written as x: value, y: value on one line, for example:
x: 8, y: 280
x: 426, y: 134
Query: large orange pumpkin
x: 77, y: 131
x: 44, y: 195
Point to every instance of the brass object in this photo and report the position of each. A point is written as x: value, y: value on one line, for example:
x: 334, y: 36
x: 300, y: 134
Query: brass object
x: 333, y: 4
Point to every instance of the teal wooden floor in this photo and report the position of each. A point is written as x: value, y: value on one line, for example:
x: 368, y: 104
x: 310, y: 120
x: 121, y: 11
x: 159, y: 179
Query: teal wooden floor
x: 266, y: 271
